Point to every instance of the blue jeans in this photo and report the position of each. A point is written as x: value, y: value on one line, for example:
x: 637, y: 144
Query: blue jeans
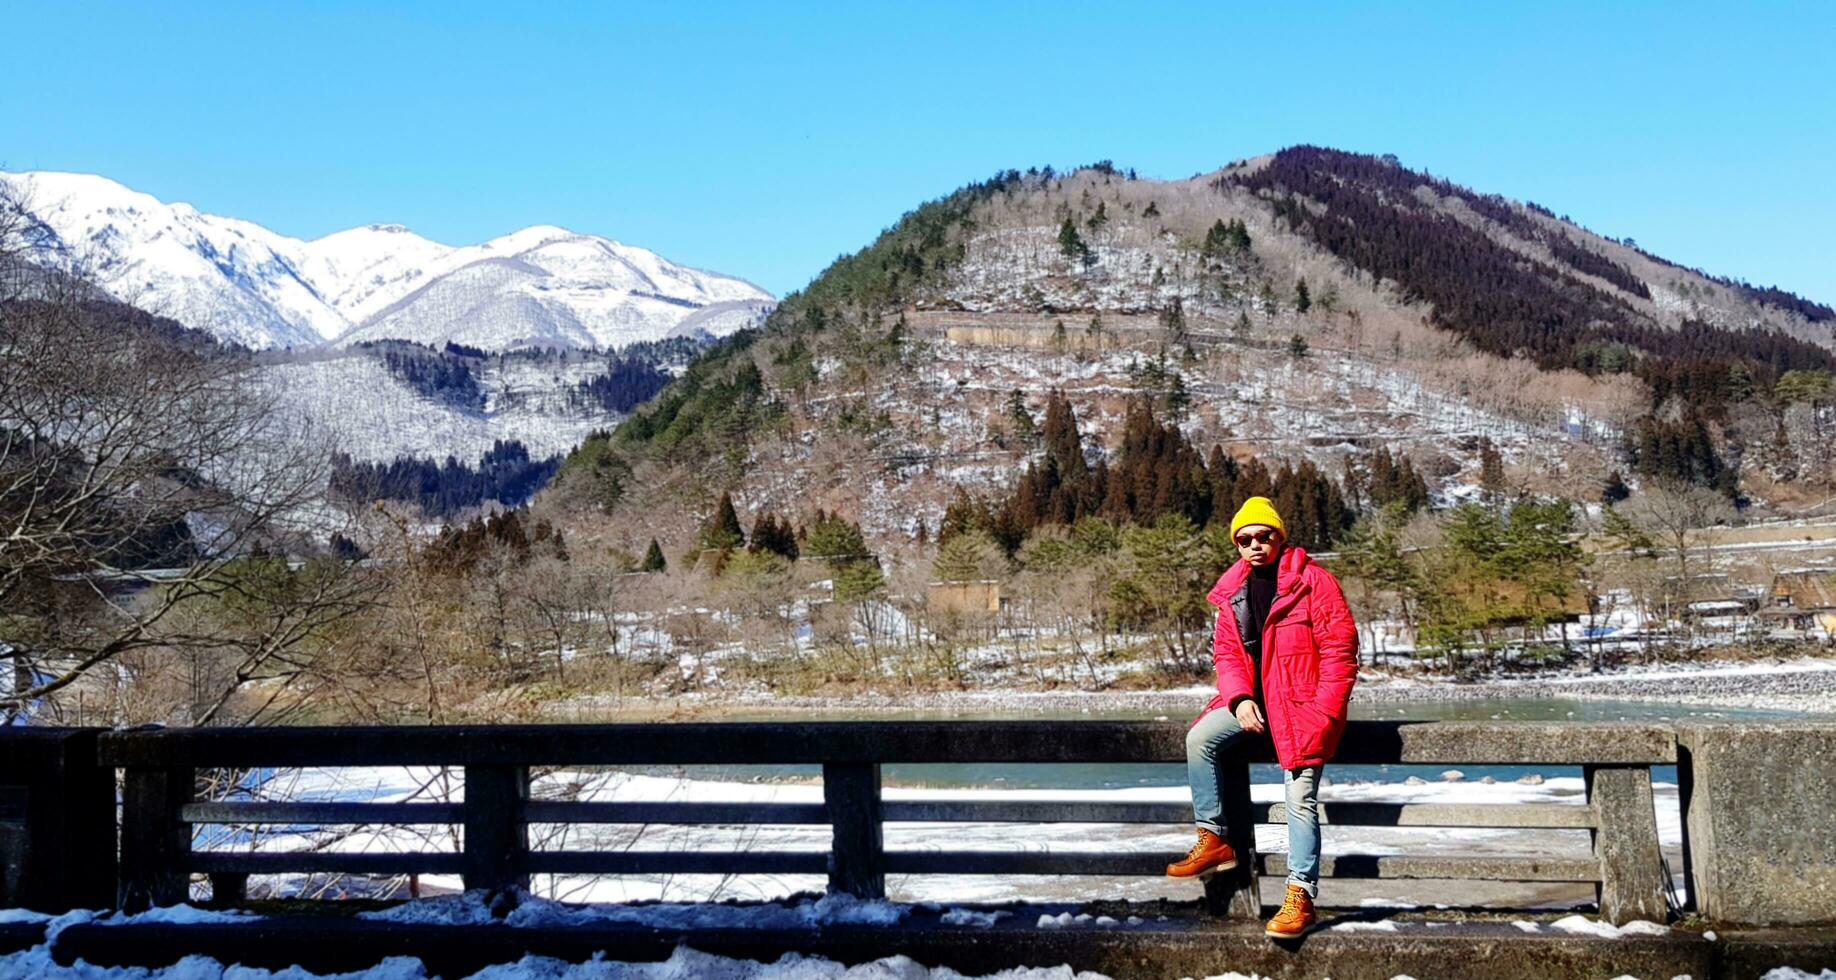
x: 1211, y: 738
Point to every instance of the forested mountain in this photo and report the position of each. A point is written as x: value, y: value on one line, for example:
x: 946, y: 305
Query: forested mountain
x: 504, y: 475
x: 1512, y: 281
x: 1298, y: 311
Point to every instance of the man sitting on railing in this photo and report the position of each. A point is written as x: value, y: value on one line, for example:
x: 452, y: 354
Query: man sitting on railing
x: 1284, y: 639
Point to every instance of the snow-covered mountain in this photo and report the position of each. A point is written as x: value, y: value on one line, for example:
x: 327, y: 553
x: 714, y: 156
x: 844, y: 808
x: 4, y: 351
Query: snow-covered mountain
x: 541, y: 286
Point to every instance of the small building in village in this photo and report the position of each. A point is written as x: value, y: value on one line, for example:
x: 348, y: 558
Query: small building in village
x: 1802, y: 600
x: 978, y: 596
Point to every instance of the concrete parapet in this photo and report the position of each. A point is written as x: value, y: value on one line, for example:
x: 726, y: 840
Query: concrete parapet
x: 1759, y: 802
x: 1186, y: 945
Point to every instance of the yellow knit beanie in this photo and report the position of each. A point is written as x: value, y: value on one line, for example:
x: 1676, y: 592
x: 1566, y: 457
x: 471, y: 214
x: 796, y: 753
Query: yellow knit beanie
x: 1257, y: 510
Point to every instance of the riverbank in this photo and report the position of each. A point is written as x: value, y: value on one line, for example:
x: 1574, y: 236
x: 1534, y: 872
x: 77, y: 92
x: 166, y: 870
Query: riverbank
x: 1802, y: 684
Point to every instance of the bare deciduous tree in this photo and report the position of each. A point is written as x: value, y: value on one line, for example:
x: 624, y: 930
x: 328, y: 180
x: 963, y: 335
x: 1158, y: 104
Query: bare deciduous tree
x: 1685, y: 518
x: 127, y: 444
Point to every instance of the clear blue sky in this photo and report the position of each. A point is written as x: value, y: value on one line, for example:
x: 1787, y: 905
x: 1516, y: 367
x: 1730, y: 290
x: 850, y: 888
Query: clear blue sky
x: 762, y: 140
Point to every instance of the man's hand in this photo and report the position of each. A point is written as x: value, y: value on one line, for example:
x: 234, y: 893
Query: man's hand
x: 1250, y: 716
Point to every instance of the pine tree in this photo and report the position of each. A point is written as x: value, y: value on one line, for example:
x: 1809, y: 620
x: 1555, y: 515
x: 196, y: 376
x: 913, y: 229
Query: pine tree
x: 1217, y: 240
x: 1021, y: 419
x: 854, y: 570
x: 1739, y: 385
x: 653, y: 559
x: 1491, y: 468
x: 722, y: 532
x: 834, y: 538
x: 344, y: 548
x: 1179, y: 398
x: 1097, y: 220
x: 1626, y: 535
x: 774, y: 535
x: 1063, y: 444
x: 1239, y: 236
x: 1302, y: 300
x: 1221, y: 471
x: 1809, y: 387
x: 895, y: 337
x: 859, y: 580
x: 1297, y: 346
x: 1542, y: 555
x: 1371, y: 552
x: 1253, y: 480
x: 1395, y: 482
x: 1070, y: 243
x: 963, y: 558
x: 1312, y: 506
x: 1173, y: 320
x: 962, y: 515
x: 1356, y: 485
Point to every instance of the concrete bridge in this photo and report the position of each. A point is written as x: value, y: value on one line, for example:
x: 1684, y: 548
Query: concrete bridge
x: 1759, y: 848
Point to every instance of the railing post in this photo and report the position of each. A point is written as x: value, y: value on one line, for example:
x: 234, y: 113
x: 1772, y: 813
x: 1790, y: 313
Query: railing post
x: 496, y: 832
x: 857, y: 857
x: 1236, y: 894
x: 56, y: 803
x: 228, y: 888
x: 1632, y: 882
x: 154, y: 843
x: 1686, y: 794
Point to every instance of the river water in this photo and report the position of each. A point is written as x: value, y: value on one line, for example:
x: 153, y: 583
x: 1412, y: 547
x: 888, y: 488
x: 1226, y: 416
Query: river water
x: 1121, y: 776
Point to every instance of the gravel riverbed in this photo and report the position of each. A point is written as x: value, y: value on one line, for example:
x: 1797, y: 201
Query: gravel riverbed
x: 1806, y: 684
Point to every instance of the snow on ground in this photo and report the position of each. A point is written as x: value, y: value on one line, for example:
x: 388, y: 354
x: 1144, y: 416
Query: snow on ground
x: 1708, y: 670
x: 683, y: 964
x: 471, y: 908
x: 1804, y: 684
x: 1582, y: 925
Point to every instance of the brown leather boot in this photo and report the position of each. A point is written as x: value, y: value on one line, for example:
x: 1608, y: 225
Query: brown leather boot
x: 1296, y: 915
x: 1210, y: 854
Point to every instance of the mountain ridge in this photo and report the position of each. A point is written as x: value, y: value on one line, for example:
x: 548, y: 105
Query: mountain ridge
x: 248, y: 285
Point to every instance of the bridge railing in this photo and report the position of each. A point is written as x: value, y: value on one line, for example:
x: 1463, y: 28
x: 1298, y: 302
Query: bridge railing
x: 158, y: 811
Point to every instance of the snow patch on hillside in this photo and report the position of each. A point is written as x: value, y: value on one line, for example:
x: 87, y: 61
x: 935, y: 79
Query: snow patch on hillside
x: 374, y: 416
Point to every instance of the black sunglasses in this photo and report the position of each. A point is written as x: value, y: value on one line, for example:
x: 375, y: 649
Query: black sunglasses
x: 1259, y: 537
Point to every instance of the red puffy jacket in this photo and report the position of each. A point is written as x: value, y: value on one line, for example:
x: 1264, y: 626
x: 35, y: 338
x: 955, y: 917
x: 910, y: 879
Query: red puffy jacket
x: 1309, y: 656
